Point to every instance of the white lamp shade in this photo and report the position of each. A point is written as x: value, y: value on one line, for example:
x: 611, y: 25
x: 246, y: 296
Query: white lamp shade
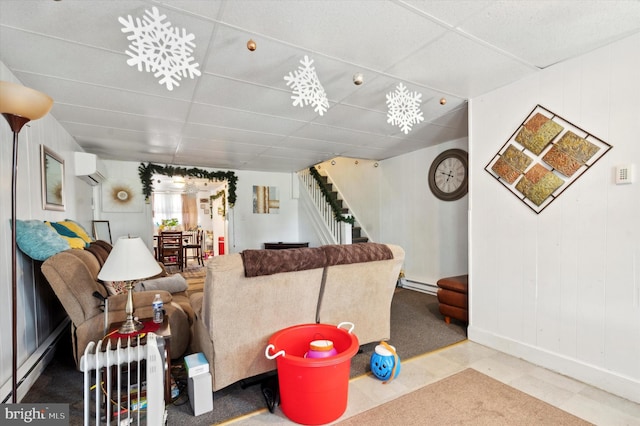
x: 129, y: 260
x: 22, y: 101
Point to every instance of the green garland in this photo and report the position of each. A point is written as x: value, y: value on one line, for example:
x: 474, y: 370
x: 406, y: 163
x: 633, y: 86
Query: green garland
x: 212, y: 198
x: 337, y: 211
x: 147, y: 171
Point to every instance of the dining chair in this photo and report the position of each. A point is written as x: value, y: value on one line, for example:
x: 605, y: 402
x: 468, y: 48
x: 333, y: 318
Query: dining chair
x: 195, y: 245
x: 171, y: 248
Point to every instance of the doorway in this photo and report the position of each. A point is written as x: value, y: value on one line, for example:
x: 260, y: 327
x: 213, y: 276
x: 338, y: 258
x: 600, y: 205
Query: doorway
x: 188, y: 204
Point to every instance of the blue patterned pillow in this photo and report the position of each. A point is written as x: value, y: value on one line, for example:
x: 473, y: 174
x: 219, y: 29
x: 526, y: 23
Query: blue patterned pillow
x: 38, y: 240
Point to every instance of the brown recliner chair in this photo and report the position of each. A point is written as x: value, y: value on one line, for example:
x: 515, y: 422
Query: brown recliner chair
x: 453, y: 298
x: 73, y: 276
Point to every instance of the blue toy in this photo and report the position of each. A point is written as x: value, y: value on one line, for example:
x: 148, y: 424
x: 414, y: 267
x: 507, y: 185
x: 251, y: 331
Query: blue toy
x: 385, y: 362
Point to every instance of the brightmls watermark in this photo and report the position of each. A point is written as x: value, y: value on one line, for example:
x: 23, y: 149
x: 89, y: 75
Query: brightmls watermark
x: 34, y: 414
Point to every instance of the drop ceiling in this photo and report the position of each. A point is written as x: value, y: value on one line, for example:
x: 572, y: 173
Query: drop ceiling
x: 239, y: 115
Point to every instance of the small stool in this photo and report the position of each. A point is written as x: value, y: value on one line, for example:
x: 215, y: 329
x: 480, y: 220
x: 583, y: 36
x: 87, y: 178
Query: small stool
x: 453, y: 298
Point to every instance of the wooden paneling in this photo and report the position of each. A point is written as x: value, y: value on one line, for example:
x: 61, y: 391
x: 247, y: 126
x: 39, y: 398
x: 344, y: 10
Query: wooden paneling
x: 562, y: 288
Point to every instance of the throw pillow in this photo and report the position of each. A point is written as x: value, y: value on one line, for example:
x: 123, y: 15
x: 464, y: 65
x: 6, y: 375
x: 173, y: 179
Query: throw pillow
x: 37, y: 240
x: 67, y: 234
x: 115, y: 287
x: 76, y: 228
x: 173, y: 284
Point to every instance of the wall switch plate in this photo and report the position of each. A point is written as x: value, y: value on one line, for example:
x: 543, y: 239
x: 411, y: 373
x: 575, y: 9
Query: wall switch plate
x: 624, y: 174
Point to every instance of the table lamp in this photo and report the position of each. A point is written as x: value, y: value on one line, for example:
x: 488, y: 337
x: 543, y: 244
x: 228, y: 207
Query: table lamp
x: 129, y: 261
x: 19, y: 105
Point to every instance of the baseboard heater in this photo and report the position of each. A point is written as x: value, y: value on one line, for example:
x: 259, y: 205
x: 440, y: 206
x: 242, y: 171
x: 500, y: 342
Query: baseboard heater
x: 33, y: 367
x: 419, y: 286
x: 119, y: 388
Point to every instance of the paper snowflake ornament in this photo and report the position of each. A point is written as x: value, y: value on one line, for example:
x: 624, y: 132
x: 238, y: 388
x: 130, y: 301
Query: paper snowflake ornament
x: 307, y: 89
x: 404, y: 108
x: 160, y: 48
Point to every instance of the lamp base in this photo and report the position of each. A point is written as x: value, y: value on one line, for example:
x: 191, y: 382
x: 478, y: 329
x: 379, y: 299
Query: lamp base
x: 130, y: 326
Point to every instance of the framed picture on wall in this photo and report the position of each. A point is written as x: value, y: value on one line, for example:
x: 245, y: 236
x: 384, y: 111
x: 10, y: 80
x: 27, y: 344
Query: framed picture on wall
x: 266, y: 199
x: 102, y: 230
x: 122, y: 196
x: 52, y: 174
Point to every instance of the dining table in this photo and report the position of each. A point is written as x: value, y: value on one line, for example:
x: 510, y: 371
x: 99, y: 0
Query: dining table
x: 187, y: 237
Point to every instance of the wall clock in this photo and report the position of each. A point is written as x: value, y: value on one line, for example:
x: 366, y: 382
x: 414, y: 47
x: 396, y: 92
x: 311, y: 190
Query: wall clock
x: 449, y: 175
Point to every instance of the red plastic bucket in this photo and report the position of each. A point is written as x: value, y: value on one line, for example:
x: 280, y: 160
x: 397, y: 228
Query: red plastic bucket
x: 313, y: 391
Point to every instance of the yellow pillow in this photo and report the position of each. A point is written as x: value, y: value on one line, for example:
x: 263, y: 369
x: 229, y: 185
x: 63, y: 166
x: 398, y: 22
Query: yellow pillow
x: 74, y: 242
x: 77, y: 229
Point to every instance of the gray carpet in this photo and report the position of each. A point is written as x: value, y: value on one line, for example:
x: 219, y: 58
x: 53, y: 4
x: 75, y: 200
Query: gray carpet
x: 416, y: 328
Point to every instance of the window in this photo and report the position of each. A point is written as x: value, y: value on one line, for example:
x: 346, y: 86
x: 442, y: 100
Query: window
x: 167, y: 206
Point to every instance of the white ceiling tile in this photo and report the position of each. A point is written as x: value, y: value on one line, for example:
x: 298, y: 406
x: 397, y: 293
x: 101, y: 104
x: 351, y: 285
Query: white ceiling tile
x: 188, y: 145
x: 230, y: 135
x: 116, y: 120
x: 321, y: 147
x: 451, y: 73
x: 372, y: 34
x: 543, y: 34
x: 232, y: 118
x: 450, y: 13
x: 349, y: 117
x: 206, y: 9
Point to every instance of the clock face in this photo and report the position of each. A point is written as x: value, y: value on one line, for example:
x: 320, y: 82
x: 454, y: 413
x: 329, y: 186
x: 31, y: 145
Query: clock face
x: 448, y: 175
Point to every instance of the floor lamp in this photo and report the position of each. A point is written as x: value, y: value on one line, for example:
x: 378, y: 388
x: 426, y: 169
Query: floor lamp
x: 19, y: 105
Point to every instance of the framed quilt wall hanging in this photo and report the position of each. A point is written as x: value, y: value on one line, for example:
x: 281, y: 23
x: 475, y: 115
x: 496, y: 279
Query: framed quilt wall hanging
x: 543, y: 157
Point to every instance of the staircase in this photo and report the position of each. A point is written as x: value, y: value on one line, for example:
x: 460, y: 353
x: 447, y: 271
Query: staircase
x: 322, y: 210
x: 356, y: 237
x: 356, y: 230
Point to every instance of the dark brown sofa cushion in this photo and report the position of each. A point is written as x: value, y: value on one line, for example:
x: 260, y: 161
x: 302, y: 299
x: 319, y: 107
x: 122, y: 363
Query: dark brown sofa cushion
x: 269, y: 262
x: 356, y: 253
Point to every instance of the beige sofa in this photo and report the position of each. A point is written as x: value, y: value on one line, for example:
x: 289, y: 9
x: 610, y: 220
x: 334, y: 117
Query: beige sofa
x: 73, y: 276
x: 236, y: 314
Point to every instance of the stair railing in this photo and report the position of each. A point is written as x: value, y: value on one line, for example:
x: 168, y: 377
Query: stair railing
x: 331, y: 230
x: 352, y: 215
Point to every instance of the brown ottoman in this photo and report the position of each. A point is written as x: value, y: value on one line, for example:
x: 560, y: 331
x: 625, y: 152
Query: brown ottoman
x: 453, y: 298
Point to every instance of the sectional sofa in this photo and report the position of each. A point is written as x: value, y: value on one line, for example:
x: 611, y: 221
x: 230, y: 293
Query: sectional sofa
x: 249, y: 296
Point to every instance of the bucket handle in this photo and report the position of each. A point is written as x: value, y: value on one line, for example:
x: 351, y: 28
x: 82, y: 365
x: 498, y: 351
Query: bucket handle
x: 277, y: 354
x: 347, y: 323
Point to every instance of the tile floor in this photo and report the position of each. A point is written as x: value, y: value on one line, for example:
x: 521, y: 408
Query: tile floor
x: 577, y: 398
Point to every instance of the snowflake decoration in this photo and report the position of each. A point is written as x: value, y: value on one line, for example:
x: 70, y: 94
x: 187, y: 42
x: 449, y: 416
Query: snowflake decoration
x: 307, y: 88
x: 404, y: 108
x: 162, y: 49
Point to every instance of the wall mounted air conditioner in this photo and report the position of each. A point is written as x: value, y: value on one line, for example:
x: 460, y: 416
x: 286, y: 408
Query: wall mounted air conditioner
x: 89, y: 168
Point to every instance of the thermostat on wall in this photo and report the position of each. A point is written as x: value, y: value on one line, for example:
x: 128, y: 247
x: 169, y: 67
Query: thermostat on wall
x: 624, y: 174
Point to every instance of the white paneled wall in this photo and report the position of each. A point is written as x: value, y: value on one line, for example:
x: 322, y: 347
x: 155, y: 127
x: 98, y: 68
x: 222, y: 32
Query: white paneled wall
x: 562, y: 288
x: 34, y: 324
x: 248, y: 230
x: 432, y: 232
x: 396, y: 206
x: 138, y: 223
